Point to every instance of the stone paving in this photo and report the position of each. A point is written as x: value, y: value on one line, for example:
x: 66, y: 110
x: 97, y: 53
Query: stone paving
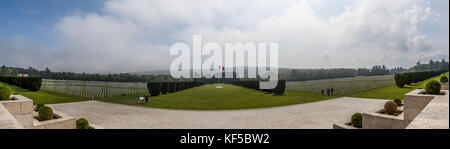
x: 434, y: 116
x: 319, y: 115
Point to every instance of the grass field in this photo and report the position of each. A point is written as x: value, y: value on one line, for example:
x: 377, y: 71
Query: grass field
x: 93, y: 89
x: 393, y: 92
x: 43, y: 97
x: 208, y: 97
x: 342, y: 86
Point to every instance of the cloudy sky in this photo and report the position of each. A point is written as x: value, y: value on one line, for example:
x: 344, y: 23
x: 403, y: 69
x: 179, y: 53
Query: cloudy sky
x: 135, y: 35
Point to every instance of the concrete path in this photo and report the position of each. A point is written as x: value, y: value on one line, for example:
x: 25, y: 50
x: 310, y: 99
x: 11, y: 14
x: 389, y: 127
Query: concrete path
x: 319, y: 115
x: 434, y: 116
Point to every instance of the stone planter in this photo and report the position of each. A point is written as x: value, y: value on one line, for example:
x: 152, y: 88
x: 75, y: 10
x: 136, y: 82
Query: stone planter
x: 62, y: 121
x: 444, y: 86
x: 7, y: 121
x: 378, y: 119
x: 21, y: 108
x: 415, y: 101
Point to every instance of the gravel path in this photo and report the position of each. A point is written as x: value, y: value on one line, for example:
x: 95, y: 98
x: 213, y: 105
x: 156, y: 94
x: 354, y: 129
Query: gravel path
x: 319, y: 115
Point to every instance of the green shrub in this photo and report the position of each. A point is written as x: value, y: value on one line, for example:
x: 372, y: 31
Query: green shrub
x: 398, y: 102
x: 357, y: 120
x: 399, y: 80
x: 172, y: 87
x: 408, y: 78
x: 390, y: 107
x: 82, y: 123
x: 38, y: 106
x: 45, y: 113
x: 154, y: 88
x: 433, y: 87
x: 444, y: 79
x: 279, y: 90
x: 414, y: 77
x: 30, y: 83
x: 4, y: 93
x: 164, y: 87
x: 34, y: 84
x: 177, y: 86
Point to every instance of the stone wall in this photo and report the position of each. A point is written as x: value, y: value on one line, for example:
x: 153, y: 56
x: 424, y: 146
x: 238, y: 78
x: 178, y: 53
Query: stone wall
x: 415, y: 102
x: 63, y: 122
x: 7, y: 121
x: 21, y: 108
x: 376, y: 120
x: 444, y: 86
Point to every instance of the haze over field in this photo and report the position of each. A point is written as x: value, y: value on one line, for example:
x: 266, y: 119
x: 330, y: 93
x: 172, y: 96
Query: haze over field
x: 135, y: 35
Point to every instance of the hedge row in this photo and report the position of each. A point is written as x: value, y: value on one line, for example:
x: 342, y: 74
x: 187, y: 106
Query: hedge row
x: 30, y: 83
x: 413, y: 77
x: 279, y: 90
x: 157, y: 88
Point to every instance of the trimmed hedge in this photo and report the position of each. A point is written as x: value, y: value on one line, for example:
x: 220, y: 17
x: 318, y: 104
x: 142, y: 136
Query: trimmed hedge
x: 4, y: 93
x: 400, y: 80
x: 278, y: 90
x: 414, y: 77
x: 172, y: 87
x: 82, y: 123
x: 164, y: 87
x: 281, y: 86
x: 30, y: 83
x: 45, y: 113
x: 177, y: 86
x: 154, y: 88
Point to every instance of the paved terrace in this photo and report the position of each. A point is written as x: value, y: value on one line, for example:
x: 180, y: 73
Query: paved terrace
x: 7, y: 121
x: 319, y: 115
x: 434, y: 116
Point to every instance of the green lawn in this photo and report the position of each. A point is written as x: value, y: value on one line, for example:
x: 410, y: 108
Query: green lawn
x: 43, y: 97
x: 393, y: 92
x: 208, y: 97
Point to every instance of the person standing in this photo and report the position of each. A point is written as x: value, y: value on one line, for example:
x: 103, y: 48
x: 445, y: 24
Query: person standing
x: 328, y: 91
x: 146, y: 100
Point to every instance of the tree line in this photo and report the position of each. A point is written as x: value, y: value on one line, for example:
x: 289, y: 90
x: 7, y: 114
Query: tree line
x: 48, y: 74
x: 317, y: 74
x: 284, y: 74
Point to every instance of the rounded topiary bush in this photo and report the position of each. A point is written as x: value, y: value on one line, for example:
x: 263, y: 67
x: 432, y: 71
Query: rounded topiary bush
x: 38, y: 106
x: 45, y: 113
x: 4, y: 93
x: 357, y: 120
x: 398, y: 102
x: 390, y: 107
x: 82, y: 123
x: 433, y: 87
x: 444, y: 79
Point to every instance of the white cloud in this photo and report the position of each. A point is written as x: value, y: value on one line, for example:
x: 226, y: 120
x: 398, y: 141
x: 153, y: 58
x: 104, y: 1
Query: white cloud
x: 135, y: 35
